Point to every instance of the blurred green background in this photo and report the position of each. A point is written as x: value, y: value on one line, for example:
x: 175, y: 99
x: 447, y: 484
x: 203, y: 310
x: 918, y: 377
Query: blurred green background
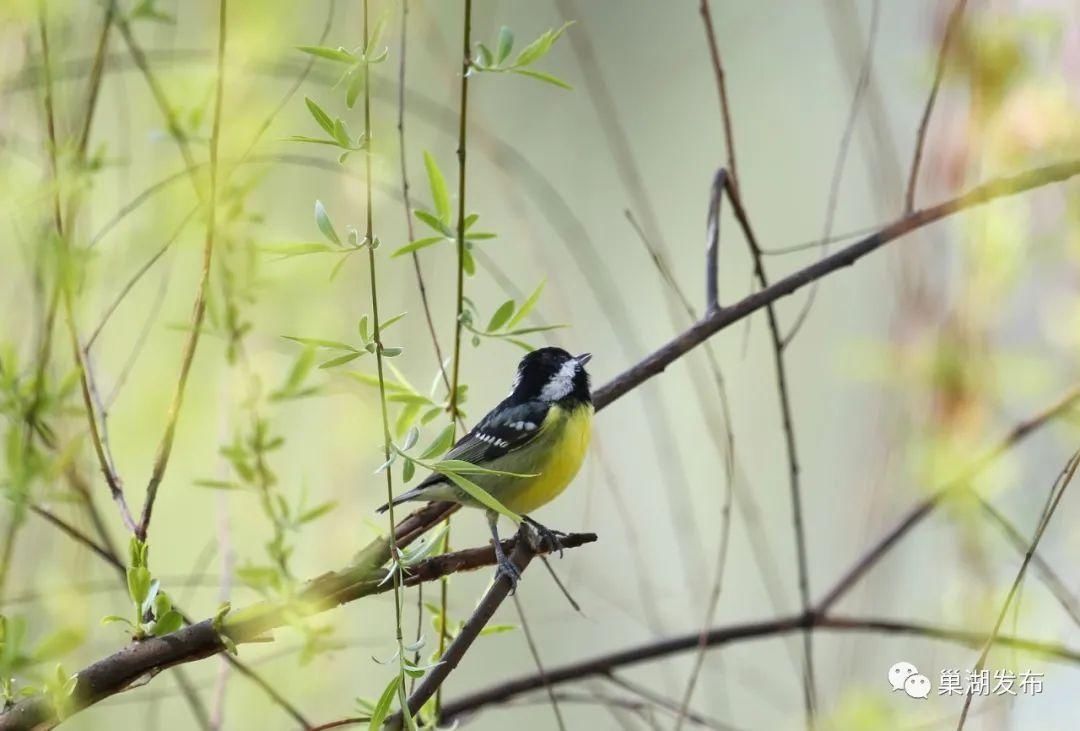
x: 908, y: 366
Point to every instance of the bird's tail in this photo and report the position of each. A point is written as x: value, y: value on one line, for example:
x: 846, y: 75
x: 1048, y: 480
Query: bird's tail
x: 402, y: 498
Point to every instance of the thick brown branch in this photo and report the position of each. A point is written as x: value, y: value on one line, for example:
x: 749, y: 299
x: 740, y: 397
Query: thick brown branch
x: 147, y: 658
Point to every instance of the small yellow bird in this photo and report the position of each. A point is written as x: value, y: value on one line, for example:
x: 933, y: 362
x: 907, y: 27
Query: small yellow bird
x: 542, y: 429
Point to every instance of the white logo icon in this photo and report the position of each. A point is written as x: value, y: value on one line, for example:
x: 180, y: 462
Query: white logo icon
x: 917, y: 686
x: 899, y: 673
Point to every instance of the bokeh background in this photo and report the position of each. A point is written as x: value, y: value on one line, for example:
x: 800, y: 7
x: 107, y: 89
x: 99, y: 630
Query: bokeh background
x: 907, y: 368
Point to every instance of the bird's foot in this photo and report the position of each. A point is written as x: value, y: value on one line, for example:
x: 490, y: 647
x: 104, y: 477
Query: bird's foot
x: 549, y: 538
x: 505, y: 567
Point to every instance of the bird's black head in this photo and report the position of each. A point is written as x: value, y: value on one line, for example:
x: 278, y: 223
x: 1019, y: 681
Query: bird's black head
x: 552, y: 374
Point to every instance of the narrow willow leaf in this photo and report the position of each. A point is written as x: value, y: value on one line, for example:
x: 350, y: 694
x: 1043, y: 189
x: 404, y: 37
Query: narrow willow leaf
x: 418, y: 244
x: 338, y: 54
x: 430, y: 219
x: 322, y: 220
x: 468, y: 468
x: 439, y: 195
x: 356, y: 85
x: 321, y: 117
x: 382, y: 706
x: 541, y: 76
x: 341, y: 133
x: 390, y: 321
x: 320, y: 343
x: 526, y: 306
x: 505, y: 44
x: 340, y: 360
x: 540, y: 47
x: 219, y: 484
x: 289, y: 250
x: 315, y: 513
x: 487, y: 58
x: 481, y: 495
x: 501, y: 316
x: 312, y: 140
x: 441, y: 443
x: 408, y: 469
x: 410, y: 439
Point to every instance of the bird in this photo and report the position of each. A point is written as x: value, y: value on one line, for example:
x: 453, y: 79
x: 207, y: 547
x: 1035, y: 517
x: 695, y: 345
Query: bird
x: 540, y: 433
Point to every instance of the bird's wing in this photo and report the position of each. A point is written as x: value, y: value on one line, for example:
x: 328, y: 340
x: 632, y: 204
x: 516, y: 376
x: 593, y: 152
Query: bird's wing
x: 504, y: 430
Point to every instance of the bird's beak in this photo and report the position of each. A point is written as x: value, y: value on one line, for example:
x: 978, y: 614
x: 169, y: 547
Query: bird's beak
x: 583, y: 358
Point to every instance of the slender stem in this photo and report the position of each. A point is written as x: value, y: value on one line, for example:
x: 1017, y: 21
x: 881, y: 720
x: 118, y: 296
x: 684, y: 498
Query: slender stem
x: 939, y: 73
x: 369, y: 237
x: 164, y: 450
x: 455, y: 379
x: 1053, y: 500
x: 462, y: 139
x: 407, y: 200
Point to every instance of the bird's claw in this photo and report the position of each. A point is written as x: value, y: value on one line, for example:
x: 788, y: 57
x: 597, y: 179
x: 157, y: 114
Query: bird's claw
x: 549, y: 538
x: 506, y: 567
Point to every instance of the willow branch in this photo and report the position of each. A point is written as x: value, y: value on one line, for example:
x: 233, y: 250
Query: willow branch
x: 200, y: 640
x: 164, y: 450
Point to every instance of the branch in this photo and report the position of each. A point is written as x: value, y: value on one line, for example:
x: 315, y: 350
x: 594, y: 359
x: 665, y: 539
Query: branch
x: 161, y: 460
x: 605, y: 665
x: 200, y: 640
x: 939, y: 72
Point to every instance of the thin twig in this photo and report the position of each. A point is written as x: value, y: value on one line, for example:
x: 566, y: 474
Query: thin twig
x: 951, y: 26
x: 1052, y: 502
x: 606, y: 664
x: 1021, y: 430
x: 161, y: 459
x: 535, y: 652
x: 861, y: 85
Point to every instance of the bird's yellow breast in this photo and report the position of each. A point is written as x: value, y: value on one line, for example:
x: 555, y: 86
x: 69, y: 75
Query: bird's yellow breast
x: 567, y: 433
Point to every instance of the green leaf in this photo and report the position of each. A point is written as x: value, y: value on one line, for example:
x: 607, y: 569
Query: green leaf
x: 340, y: 360
x: 409, y: 398
x: 382, y: 706
x: 496, y: 629
x: 527, y: 306
x: 341, y: 133
x: 219, y: 484
x: 481, y: 495
x: 439, y: 194
x: 290, y: 250
x: 486, y: 59
x: 435, y: 222
x: 362, y: 328
x: 410, y: 439
x: 391, y: 352
x: 338, y: 54
x: 151, y: 594
x: 321, y: 117
x: 505, y: 44
x: 356, y: 85
x: 390, y: 321
x: 138, y: 578
x: 468, y: 468
x: 315, y: 513
x: 540, y: 47
x: 322, y: 220
x: 110, y: 619
x: 440, y: 444
x: 162, y: 604
x: 312, y: 140
x: 169, y: 623
x: 320, y: 343
x: 408, y: 469
x: 418, y: 244
x: 501, y: 316
x: 541, y: 76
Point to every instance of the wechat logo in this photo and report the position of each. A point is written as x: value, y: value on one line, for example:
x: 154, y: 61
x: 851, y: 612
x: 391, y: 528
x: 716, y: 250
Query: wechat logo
x: 906, y: 677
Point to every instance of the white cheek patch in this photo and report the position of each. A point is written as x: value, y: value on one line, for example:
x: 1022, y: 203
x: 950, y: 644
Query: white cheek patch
x: 561, y: 384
